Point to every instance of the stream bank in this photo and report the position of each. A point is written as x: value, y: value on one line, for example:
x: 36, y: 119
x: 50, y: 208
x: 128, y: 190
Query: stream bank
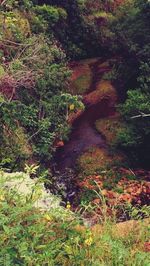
x: 99, y: 103
x: 99, y: 99
x: 85, y: 163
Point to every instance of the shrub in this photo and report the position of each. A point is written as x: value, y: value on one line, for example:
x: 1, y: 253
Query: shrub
x: 50, y: 14
x: 14, y: 26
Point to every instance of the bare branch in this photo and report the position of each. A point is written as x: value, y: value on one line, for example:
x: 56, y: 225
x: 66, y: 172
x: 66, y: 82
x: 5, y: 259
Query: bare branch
x: 9, y: 42
x: 3, y: 2
x: 139, y: 116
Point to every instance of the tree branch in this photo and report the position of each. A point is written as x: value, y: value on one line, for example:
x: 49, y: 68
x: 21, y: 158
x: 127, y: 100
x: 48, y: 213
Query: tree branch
x: 3, y: 2
x: 141, y: 115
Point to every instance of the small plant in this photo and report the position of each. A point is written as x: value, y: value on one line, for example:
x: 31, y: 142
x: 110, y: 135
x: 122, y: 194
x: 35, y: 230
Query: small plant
x: 138, y: 212
x: 31, y: 169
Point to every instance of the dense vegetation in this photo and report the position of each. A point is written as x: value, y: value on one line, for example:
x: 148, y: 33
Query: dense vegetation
x: 132, y: 33
x: 35, y: 75
x: 34, y: 83
x: 56, y: 236
x: 40, y: 41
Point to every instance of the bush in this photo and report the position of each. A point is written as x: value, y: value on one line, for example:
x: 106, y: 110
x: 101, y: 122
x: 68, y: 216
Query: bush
x: 14, y: 26
x: 33, y: 85
x: 50, y: 14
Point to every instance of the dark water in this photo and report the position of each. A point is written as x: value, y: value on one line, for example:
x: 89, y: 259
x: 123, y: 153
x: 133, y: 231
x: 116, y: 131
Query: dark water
x: 83, y: 136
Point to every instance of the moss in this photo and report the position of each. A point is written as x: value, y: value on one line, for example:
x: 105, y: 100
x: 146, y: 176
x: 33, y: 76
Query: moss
x: 95, y: 160
x: 81, y: 78
x: 104, y: 90
x: 109, y: 127
x: 81, y: 84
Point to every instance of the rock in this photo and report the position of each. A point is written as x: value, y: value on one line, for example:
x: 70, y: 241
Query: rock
x: 23, y: 184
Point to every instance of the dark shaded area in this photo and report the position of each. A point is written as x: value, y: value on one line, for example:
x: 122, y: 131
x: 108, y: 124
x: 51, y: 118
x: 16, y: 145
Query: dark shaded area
x: 78, y: 38
x: 97, y: 72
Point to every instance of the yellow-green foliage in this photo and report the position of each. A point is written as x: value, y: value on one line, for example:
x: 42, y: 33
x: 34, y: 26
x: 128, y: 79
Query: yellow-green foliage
x: 82, y: 77
x: 95, y: 159
x: 2, y: 71
x: 15, y: 145
x: 14, y: 26
x: 103, y: 14
x: 21, y: 138
x: 109, y: 127
x: 104, y: 90
x: 81, y: 84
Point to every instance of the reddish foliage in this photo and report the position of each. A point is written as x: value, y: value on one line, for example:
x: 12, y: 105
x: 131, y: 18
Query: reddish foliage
x: 147, y: 247
x: 4, y: 51
x: 58, y: 143
x: 107, y: 6
x: 90, y: 182
x: 133, y: 191
x: 7, y: 87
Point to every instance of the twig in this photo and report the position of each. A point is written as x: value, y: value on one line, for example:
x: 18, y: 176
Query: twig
x: 36, y: 133
x: 132, y: 172
x: 3, y: 2
x: 141, y: 115
x: 15, y: 43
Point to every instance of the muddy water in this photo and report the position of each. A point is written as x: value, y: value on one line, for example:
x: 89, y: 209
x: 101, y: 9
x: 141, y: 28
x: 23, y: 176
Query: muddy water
x: 84, y: 135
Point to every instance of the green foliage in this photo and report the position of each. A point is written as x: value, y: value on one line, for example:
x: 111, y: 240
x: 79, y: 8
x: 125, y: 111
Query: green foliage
x: 138, y: 212
x: 34, y: 85
x: 50, y: 14
x: 14, y: 26
x: 34, y: 109
x: 136, y: 113
x: 132, y: 34
x: 24, y: 232
x: 33, y: 236
x: 128, y: 138
x: 19, y: 4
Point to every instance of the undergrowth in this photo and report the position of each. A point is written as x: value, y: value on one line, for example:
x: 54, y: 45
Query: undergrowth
x: 56, y: 236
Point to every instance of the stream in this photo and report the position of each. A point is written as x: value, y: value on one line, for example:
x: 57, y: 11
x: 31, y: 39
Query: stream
x: 100, y: 100
x: 83, y: 135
